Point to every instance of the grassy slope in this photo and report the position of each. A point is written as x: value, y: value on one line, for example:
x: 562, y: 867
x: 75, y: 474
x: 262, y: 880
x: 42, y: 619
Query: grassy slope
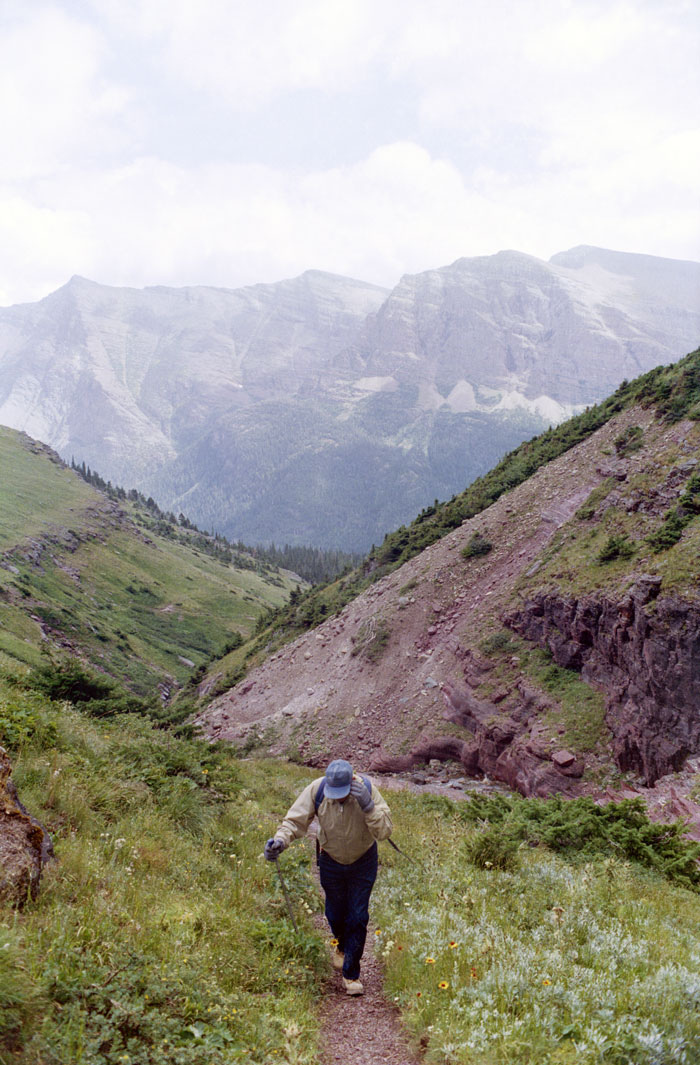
x: 576, y: 561
x: 555, y: 960
x: 135, y: 602
x: 160, y: 935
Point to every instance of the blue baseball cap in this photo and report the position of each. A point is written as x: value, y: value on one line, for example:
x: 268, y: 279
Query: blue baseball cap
x: 338, y: 779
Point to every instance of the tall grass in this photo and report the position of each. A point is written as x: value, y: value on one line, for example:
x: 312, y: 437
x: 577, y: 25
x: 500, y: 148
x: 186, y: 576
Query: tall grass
x: 160, y: 933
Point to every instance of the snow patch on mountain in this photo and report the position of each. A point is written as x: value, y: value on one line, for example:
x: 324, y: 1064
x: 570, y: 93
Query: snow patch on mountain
x: 462, y: 398
x: 376, y: 384
x: 544, y: 406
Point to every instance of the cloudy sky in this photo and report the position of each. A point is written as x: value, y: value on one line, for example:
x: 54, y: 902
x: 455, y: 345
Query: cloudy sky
x: 227, y: 142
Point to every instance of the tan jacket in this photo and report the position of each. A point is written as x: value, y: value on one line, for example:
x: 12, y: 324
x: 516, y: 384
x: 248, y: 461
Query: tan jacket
x: 344, y: 831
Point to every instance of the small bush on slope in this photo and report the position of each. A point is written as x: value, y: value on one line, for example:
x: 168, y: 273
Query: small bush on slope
x: 580, y: 827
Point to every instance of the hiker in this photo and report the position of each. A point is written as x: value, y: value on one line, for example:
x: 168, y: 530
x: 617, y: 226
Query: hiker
x: 352, y: 816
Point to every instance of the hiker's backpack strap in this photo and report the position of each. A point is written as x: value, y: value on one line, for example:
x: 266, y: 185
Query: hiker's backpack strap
x: 318, y: 799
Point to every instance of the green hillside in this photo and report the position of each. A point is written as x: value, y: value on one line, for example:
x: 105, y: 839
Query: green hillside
x: 81, y: 573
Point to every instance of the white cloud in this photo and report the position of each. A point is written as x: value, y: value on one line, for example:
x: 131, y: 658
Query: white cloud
x: 41, y: 248
x: 246, y: 53
x: 57, y: 105
x: 536, y: 126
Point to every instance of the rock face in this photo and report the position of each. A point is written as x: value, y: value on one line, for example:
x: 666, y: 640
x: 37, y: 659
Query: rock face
x: 502, y: 748
x: 24, y: 843
x: 324, y: 410
x: 534, y: 334
x: 644, y: 652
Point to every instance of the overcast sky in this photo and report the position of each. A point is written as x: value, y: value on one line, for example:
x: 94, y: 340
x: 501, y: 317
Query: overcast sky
x: 226, y: 142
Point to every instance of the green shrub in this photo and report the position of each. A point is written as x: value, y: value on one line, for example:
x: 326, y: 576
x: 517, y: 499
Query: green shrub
x: 631, y: 440
x: 678, y: 518
x: 498, y: 642
x: 671, y: 531
x: 22, y: 719
x: 493, y: 848
x: 616, y: 546
x: 232, y: 644
x: 690, y: 496
x: 69, y: 679
x: 372, y: 639
x: 477, y: 545
x: 581, y: 827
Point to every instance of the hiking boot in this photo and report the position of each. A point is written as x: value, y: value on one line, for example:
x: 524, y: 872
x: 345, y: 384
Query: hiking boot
x: 352, y: 987
x: 337, y: 957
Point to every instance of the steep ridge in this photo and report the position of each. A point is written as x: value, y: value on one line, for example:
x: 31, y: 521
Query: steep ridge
x: 324, y: 410
x: 567, y: 654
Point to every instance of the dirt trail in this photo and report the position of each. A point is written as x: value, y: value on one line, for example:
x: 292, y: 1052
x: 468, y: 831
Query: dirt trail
x: 365, y: 1029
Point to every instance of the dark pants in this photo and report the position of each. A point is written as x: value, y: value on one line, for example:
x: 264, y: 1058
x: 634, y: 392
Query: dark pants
x: 347, y: 889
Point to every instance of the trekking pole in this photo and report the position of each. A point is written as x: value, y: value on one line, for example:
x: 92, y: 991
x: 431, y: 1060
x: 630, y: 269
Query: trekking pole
x: 414, y: 861
x: 286, y: 895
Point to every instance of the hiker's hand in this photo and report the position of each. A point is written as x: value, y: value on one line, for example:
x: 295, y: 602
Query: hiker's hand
x: 273, y: 849
x: 359, y: 791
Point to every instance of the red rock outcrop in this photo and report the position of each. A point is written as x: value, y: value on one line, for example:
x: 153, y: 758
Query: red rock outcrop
x: 643, y: 651
x: 25, y: 845
x: 501, y: 747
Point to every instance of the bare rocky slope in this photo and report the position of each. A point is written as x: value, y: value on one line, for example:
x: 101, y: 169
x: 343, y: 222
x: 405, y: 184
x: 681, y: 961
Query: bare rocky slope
x: 538, y: 664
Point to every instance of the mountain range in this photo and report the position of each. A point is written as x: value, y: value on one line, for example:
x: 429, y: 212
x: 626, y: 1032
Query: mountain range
x: 325, y: 410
